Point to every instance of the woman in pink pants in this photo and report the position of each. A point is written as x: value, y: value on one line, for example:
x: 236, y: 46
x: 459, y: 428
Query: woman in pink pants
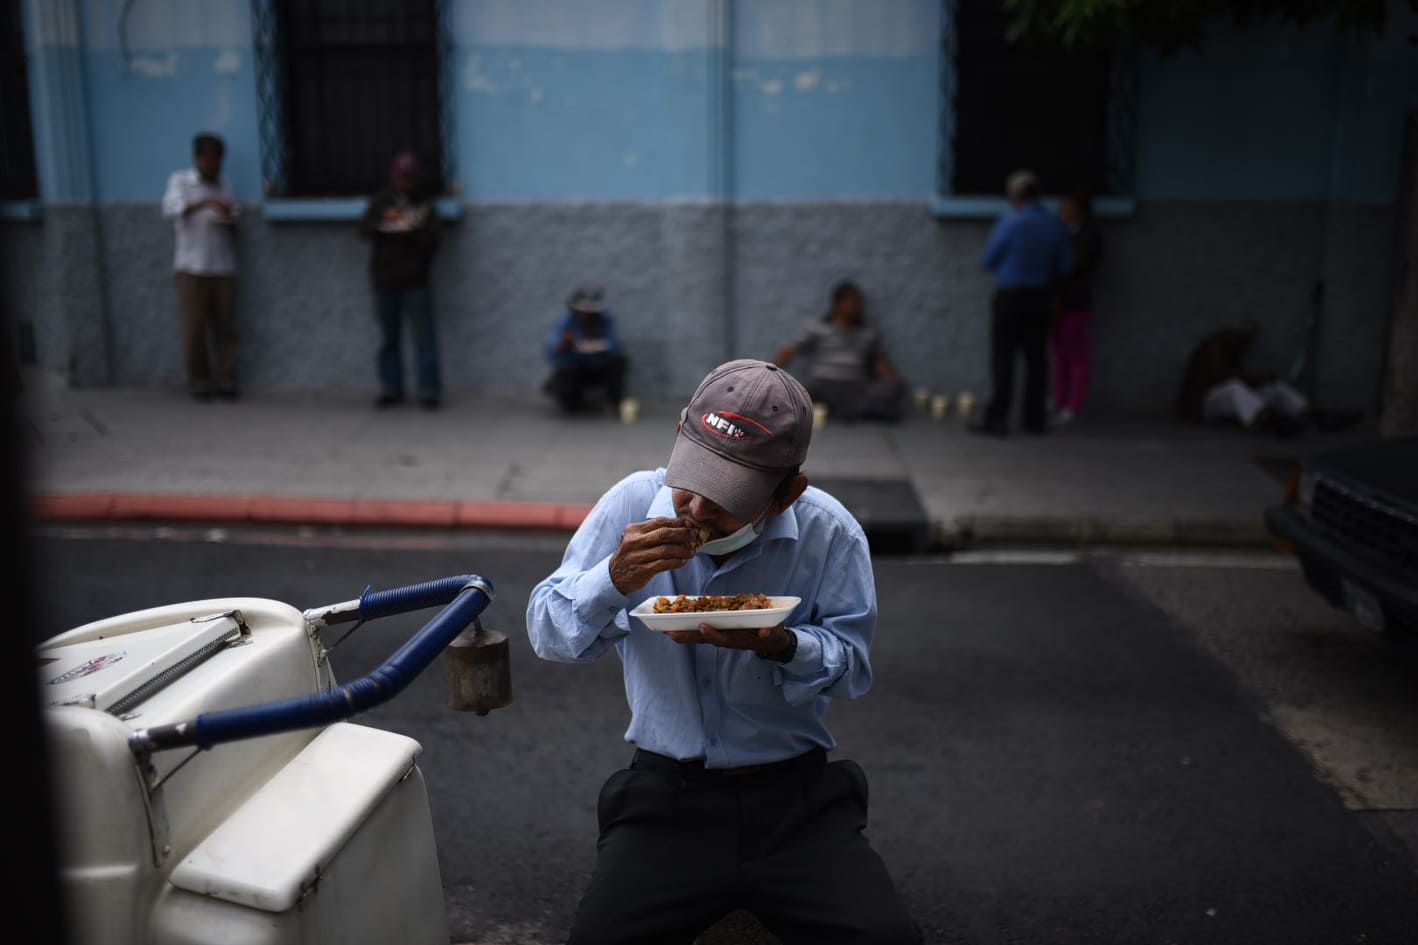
x: 1073, y: 309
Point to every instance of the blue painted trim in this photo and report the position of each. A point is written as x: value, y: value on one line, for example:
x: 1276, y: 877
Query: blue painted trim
x: 339, y: 209
x: 949, y: 79
x: 21, y: 210
x: 968, y: 208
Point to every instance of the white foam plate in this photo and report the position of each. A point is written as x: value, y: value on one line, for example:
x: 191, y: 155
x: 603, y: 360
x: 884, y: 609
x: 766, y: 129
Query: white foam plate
x: 719, y: 619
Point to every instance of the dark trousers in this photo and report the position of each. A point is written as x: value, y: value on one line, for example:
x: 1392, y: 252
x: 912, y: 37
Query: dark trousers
x: 570, y: 383
x: 681, y: 847
x: 393, y: 307
x: 1020, y: 326
x: 209, y: 335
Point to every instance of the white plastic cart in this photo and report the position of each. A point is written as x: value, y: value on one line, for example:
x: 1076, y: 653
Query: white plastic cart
x: 210, y: 789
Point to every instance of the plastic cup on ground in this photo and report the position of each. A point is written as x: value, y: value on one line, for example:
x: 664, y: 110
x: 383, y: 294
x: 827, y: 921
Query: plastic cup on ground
x: 819, y: 416
x: 965, y: 404
x: 629, y: 410
x: 923, y: 398
x: 940, y: 405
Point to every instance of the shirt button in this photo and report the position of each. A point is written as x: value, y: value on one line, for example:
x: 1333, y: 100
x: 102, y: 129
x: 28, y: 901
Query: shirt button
x: 707, y: 682
x: 713, y: 742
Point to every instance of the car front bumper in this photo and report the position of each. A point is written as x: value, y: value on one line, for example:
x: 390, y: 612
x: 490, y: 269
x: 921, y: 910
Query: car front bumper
x: 1342, y: 576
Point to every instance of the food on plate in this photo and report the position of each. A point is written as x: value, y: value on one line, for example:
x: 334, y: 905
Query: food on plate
x: 695, y: 605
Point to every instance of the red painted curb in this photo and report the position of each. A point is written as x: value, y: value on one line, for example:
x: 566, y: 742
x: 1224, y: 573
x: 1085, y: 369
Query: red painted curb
x: 293, y: 510
x: 71, y: 506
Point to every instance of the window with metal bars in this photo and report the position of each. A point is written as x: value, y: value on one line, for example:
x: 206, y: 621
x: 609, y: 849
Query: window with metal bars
x: 1066, y: 115
x: 17, y: 172
x: 353, y: 82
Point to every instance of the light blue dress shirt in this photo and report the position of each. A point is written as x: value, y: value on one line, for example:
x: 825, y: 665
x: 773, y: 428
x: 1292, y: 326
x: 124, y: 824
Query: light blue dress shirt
x: 728, y: 707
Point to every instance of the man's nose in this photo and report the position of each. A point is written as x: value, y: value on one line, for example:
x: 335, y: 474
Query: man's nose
x: 700, y: 509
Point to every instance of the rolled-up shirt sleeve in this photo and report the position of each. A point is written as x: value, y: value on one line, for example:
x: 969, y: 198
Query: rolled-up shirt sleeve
x: 576, y: 613
x: 833, y: 655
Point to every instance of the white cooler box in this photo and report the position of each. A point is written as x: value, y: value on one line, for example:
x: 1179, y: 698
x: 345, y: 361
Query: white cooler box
x: 315, y: 836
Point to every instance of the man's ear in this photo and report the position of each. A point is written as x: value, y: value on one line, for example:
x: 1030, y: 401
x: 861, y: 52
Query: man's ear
x: 795, y: 489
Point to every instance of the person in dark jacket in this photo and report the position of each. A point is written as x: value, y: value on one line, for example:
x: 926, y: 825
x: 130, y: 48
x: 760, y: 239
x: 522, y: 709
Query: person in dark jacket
x: 1073, y: 308
x: 402, y: 225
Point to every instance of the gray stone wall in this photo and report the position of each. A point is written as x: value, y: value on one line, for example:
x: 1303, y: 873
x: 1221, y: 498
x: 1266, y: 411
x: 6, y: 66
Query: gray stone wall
x: 694, y: 284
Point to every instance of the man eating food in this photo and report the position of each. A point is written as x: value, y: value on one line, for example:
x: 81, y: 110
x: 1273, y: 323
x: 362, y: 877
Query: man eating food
x: 730, y: 800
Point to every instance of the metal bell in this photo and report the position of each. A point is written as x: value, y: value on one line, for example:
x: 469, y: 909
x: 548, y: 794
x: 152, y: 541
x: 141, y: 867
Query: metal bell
x: 479, y: 670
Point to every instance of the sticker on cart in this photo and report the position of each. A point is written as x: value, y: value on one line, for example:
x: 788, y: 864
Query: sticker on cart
x: 46, y: 660
x: 88, y: 668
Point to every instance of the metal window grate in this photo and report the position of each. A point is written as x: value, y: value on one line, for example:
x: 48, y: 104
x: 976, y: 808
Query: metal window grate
x: 343, y: 85
x: 18, y: 180
x: 1367, y: 526
x: 1068, y: 116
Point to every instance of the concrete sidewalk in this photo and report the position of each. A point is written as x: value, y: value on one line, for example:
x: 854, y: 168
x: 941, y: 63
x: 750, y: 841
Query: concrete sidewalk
x: 125, y: 454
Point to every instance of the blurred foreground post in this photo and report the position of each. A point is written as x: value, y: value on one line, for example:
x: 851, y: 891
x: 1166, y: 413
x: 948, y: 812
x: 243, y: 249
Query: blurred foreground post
x: 1399, y: 412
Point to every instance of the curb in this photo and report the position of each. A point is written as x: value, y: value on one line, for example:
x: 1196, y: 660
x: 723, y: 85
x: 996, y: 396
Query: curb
x: 957, y: 534
x: 1081, y: 532
x: 291, y: 510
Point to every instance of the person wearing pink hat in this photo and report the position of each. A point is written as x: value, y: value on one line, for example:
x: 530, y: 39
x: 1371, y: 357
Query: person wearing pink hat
x: 401, y: 224
x: 730, y: 800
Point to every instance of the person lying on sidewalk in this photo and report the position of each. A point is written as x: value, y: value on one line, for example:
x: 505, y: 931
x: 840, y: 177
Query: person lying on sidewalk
x: 1217, y: 387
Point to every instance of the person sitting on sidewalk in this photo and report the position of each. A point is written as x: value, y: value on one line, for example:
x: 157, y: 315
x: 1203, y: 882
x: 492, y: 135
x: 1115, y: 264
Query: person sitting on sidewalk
x: 1218, y: 388
x: 848, y: 370
x: 585, y: 354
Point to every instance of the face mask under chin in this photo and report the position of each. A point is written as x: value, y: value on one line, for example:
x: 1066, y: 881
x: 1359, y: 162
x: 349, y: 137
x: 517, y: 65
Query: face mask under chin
x: 733, y: 541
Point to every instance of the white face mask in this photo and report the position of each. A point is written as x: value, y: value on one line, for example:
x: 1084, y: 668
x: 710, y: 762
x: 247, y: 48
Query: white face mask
x: 733, y: 541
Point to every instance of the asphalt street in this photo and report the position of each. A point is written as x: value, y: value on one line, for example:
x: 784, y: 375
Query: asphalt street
x: 1061, y: 749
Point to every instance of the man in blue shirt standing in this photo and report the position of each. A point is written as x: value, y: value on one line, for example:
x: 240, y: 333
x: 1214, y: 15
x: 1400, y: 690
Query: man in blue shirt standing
x: 729, y: 800
x: 1028, y: 252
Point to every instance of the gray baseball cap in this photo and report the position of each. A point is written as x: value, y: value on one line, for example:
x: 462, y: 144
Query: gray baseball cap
x: 587, y: 298
x: 746, y: 427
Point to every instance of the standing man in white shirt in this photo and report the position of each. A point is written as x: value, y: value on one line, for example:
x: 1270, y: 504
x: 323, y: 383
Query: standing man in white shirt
x: 203, y: 212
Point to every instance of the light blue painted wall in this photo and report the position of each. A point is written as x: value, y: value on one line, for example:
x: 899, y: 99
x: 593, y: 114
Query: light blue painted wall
x: 827, y: 99
x: 840, y: 128
x: 536, y: 123
x: 179, y: 67
x: 144, y: 123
